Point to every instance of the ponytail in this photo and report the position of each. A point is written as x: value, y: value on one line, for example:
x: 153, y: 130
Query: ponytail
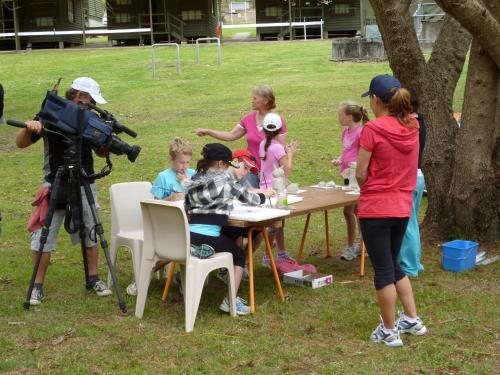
x: 400, y: 107
x: 202, y: 165
x: 269, y: 137
x: 357, y: 111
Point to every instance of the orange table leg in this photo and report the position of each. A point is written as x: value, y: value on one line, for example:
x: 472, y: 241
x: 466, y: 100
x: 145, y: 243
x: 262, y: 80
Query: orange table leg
x: 327, y: 235
x: 302, y: 242
x: 170, y: 277
x: 273, y: 265
x: 362, y: 263
x: 250, y: 270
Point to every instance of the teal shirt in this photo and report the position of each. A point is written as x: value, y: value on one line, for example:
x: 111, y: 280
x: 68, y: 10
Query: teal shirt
x: 166, y: 183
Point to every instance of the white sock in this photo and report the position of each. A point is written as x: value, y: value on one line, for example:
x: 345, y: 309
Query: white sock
x: 411, y: 320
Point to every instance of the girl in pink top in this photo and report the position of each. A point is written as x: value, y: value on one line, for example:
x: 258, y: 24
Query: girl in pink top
x: 273, y: 155
x: 263, y: 102
x: 351, y: 116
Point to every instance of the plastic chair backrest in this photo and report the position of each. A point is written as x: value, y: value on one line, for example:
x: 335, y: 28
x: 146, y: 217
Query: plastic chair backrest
x: 125, y: 204
x: 166, y: 231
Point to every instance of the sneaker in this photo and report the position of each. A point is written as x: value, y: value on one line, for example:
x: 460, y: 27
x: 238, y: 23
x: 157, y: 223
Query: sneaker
x: 101, y: 289
x: 37, y: 296
x: 202, y: 251
x: 132, y: 289
x: 350, y: 252
x: 222, y: 275
x: 389, y: 337
x: 241, y: 306
x: 416, y: 328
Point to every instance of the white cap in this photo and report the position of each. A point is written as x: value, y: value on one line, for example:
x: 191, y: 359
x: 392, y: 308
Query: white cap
x: 89, y: 86
x: 272, y: 122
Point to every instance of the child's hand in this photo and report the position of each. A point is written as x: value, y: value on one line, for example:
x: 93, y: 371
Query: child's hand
x: 181, y: 176
x: 292, y: 147
x: 175, y: 197
x: 200, y: 132
x: 336, y: 162
x: 268, y: 192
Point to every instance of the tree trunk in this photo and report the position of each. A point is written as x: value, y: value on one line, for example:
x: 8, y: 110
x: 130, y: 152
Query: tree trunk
x: 435, y: 84
x: 473, y: 190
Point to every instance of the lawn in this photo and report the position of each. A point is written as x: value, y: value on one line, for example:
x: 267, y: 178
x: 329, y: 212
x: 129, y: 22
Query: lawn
x: 323, y: 331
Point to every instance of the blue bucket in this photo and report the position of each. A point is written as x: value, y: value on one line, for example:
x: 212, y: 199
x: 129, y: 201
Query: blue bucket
x: 459, y: 255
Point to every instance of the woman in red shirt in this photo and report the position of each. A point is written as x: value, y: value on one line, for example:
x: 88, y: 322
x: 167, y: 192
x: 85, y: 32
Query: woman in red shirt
x: 386, y: 173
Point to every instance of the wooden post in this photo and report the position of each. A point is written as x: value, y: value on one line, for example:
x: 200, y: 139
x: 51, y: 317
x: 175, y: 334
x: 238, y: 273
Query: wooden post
x: 16, y: 25
x: 151, y: 21
x: 290, y: 17
x: 83, y: 27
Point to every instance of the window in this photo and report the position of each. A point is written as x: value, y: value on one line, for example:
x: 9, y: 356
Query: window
x: 272, y: 11
x: 191, y: 15
x: 44, y: 21
x: 343, y: 9
x: 123, y: 2
x: 123, y: 17
x: 71, y: 12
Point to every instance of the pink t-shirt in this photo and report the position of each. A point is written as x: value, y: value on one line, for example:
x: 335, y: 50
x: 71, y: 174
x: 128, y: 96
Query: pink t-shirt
x: 350, y: 144
x: 273, y: 155
x: 392, y: 171
x: 255, y: 134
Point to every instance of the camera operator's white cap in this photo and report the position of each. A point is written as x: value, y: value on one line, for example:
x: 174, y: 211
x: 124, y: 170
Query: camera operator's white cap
x: 88, y: 85
x: 272, y: 122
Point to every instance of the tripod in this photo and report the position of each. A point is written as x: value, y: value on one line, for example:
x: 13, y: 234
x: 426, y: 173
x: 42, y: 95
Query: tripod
x: 76, y: 177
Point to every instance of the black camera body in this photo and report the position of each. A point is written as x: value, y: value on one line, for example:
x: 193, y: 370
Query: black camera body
x: 70, y: 119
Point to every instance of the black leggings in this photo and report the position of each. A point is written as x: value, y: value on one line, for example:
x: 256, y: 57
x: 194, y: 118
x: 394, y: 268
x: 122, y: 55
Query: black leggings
x: 221, y: 244
x: 383, y: 238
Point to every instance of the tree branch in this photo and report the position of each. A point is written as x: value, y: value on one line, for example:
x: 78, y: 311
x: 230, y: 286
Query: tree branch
x: 475, y: 17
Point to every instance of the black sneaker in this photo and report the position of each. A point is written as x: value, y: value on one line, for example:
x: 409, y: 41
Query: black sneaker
x: 37, y: 297
x: 202, y: 251
x: 101, y: 289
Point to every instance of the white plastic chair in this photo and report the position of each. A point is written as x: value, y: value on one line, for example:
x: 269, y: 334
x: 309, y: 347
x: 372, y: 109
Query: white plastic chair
x: 126, y: 221
x: 166, y: 237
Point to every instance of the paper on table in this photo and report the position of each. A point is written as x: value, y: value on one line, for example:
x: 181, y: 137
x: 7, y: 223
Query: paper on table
x: 256, y: 213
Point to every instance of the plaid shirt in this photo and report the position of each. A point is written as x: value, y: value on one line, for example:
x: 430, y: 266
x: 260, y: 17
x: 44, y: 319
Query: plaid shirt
x: 213, y: 193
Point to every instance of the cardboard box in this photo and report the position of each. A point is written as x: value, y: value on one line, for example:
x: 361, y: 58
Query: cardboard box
x: 307, y: 279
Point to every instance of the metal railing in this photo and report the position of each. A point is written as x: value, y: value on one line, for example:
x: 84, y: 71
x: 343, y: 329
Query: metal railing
x: 198, y: 48
x: 178, y: 56
x: 165, y: 22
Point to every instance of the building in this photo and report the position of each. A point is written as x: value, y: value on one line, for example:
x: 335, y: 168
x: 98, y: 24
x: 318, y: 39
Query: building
x: 341, y: 18
x: 173, y: 20
x: 39, y: 16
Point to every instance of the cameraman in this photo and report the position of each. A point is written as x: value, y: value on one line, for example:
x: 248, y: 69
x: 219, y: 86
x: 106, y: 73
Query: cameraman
x: 83, y: 90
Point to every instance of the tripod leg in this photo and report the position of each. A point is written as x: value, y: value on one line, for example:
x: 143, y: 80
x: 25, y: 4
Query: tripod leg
x: 75, y: 200
x: 102, y: 240
x: 45, y: 232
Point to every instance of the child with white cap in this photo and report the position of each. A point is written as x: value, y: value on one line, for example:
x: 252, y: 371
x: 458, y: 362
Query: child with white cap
x: 274, y: 155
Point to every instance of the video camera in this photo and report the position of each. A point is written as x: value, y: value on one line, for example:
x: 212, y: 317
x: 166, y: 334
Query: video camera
x: 64, y: 116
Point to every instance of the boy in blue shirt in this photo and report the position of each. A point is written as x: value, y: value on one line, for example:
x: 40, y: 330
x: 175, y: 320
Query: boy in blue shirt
x: 168, y: 184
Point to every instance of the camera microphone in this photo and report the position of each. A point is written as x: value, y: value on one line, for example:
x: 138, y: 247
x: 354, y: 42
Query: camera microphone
x: 106, y: 116
x: 17, y: 124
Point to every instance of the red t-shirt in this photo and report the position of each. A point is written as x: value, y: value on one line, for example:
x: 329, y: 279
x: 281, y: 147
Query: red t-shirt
x: 392, y: 171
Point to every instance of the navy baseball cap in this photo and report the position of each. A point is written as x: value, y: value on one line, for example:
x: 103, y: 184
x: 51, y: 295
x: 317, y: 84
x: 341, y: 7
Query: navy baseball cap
x: 216, y: 152
x: 383, y: 87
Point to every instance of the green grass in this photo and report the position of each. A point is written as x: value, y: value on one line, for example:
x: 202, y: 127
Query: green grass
x: 229, y: 34
x: 322, y: 331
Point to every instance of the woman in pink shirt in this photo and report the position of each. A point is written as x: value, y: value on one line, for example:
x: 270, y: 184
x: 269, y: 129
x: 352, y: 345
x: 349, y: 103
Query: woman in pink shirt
x: 351, y: 117
x: 263, y: 102
x: 386, y: 173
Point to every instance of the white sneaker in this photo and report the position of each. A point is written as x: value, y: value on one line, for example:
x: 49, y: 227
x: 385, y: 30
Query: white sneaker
x: 350, y: 253
x: 416, y: 328
x: 37, y: 297
x: 101, y: 289
x: 241, y: 306
x: 389, y: 337
x: 132, y: 289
